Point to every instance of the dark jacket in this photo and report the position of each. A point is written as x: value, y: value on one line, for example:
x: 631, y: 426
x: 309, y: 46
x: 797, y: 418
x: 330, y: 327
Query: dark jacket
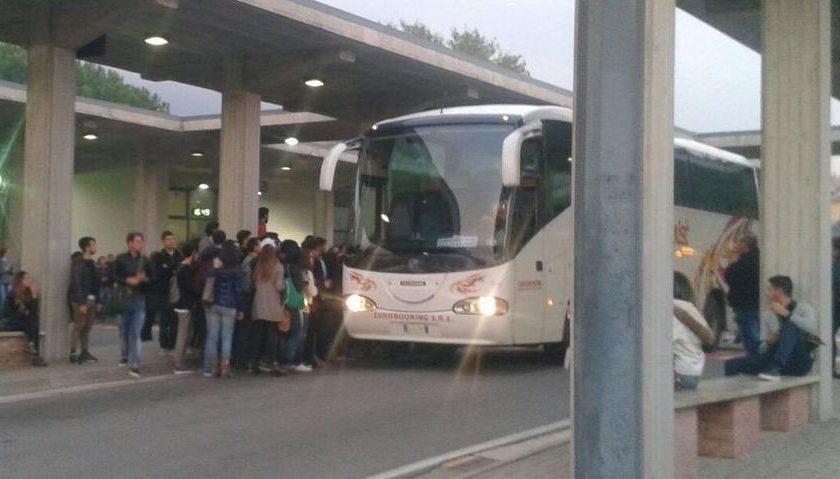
x: 165, y: 266
x: 126, y: 266
x: 189, y: 297
x: 227, y: 287
x: 84, y: 281
x: 742, y: 277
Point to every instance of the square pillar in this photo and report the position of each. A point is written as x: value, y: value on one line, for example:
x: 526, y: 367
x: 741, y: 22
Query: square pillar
x: 48, y: 186
x: 623, y: 403
x: 239, y: 163
x: 151, y: 184
x: 796, y: 194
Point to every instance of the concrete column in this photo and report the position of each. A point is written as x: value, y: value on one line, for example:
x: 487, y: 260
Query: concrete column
x: 239, y: 170
x: 151, y: 184
x: 796, y: 194
x: 48, y: 184
x: 325, y: 215
x: 623, y: 379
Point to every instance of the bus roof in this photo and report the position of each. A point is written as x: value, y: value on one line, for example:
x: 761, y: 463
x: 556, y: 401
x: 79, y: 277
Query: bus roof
x: 526, y: 112
x: 530, y: 113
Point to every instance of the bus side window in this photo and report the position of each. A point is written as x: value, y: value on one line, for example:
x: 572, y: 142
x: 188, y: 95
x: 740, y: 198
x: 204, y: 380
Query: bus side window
x: 525, y: 213
x: 557, y: 169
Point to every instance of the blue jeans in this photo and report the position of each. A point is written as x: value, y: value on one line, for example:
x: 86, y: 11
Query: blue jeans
x: 292, y: 341
x: 792, y: 355
x: 4, y: 293
x: 220, y: 322
x: 131, y: 324
x: 749, y: 329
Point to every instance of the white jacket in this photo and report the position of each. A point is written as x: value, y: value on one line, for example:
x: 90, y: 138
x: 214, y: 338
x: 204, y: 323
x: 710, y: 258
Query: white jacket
x: 689, y: 357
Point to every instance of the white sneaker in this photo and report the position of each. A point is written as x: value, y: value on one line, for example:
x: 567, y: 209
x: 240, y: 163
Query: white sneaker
x: 302, y: 368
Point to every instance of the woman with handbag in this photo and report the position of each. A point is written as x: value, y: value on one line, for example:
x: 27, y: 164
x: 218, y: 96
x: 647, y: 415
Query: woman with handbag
x: 222, y: 309
x: 297, y: 287
x: 267, y: 313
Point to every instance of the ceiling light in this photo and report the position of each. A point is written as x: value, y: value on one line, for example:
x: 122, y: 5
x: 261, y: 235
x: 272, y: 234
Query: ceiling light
x: 204, y: 186
x: 314, y: 83
x: 156, y: 41
x: 90, y: 137
x: 285, y: 168
x: 291, y: 141
x: 374, y: 127
x: 197, y: 154
x: 259, y: 193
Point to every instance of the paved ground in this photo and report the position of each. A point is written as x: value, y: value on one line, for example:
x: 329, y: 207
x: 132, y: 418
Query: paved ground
x: 811, y: 452
x: 361, y: 418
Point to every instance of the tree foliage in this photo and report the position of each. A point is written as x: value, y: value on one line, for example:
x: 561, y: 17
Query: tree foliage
x: 92, y: 81
x: 469, y: 41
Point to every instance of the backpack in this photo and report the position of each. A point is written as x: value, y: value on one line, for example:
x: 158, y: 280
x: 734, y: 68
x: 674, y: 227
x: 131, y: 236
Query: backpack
x: 294, y: 300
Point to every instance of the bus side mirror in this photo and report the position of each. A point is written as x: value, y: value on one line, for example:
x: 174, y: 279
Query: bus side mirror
x: 511, y: 152
x: 330, y: 163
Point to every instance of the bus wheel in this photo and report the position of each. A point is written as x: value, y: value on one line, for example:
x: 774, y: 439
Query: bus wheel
x: 715, y: 313
x: 555, y: 352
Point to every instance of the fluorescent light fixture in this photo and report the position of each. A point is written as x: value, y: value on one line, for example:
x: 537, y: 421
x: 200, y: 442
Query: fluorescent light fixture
x: 204, y: 186
x: 314, y: 83
x: 90, y: 137
x: 197, y: 154
x: 291, y: 141
x: 285, y: 168
x: 156, y: 41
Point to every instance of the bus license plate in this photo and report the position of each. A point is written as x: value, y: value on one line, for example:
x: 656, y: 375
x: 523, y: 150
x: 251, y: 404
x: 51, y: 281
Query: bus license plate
x: 416, y: 329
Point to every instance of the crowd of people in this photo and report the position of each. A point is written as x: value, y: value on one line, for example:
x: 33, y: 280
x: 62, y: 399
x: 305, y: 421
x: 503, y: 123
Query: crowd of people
x: 265, y: 306
x: 254, y: 303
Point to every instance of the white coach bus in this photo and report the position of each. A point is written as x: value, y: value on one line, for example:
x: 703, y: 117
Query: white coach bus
x: 462, y: 226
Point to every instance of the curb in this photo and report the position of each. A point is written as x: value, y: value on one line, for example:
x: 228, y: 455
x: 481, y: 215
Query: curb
x: 469, y: 461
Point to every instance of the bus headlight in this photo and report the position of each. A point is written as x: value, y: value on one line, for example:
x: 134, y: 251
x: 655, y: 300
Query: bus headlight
x: 357, y: 303
x: 483, y: 305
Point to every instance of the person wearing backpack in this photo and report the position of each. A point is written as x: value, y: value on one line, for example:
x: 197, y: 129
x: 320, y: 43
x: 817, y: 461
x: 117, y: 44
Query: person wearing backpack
x: 297, y: 286
x: 222, y: 310
x: 185, y: 300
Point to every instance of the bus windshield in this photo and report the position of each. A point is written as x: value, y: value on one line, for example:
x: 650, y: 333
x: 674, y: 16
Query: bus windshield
x: 430, y: 199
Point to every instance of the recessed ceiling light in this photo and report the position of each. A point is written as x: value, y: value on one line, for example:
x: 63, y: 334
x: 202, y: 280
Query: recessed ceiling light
x: 291, y: 141
x: 505, y: 118
x: 90, y: 137
x: 285, y: 168
x: 203, y: 186
x: 374, y: 127
x: 314, y: 83
x: 197, y: 154
x: 156, y: 41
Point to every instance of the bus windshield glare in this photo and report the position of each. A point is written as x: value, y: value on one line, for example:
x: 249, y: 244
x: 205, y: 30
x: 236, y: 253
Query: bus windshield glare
x: 430, y: 199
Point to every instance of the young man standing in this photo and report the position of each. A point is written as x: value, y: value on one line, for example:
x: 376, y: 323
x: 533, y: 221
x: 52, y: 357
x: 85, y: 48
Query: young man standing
x: 187, y: 304
x: 84, y: 299
x: 132, y: 273
x: 165, y: 261
x: 789, y: 348
x: 742, y: 277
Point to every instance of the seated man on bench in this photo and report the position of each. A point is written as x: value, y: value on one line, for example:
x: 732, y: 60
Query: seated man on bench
x: 789, y: 349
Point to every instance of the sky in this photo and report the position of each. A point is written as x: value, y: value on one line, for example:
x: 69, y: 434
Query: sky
x: 717, y: 80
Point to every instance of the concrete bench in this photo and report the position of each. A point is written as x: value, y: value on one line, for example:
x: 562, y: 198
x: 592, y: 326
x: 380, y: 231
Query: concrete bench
x: 14, y: 350
x: 724, y: 416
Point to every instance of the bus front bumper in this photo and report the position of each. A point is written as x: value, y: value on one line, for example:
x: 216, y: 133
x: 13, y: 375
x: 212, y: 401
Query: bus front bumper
x: 441, y: 327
